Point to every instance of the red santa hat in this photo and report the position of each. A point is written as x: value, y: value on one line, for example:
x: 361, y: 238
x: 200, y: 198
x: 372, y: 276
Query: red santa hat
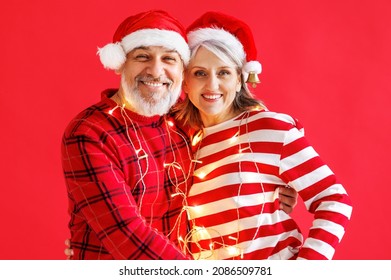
x: 231, y: 31
x: 152, y: 28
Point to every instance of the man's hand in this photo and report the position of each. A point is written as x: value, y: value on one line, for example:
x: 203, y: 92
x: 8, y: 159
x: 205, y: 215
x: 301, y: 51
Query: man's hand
x: 68, y: 251
x: 288, y: 199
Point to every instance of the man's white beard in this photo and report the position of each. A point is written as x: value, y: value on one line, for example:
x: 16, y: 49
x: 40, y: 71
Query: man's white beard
x: 156, y: 106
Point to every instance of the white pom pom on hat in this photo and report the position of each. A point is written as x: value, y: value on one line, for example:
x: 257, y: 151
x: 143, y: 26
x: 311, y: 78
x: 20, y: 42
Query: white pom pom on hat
x: 112, y: 56
x: 251, y: 67
x: 151, y: 28
x: 229, y: 30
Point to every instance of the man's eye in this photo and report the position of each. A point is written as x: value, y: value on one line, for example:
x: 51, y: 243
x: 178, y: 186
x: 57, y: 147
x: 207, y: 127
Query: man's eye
x: 170, y: 58
x: 141, y: 56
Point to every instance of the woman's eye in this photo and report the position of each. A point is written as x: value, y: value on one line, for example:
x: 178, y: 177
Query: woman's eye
x: 199, y: 73
x: 224, y: 73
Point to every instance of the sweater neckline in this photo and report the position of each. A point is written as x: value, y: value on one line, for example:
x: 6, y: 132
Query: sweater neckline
x: 214, y: 128
x: 106, y: 96
x: 219, y: 126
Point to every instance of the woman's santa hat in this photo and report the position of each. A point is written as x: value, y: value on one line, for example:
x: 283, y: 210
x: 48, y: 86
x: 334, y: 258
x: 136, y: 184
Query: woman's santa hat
x: 152, y: 28
x: 231, y: 31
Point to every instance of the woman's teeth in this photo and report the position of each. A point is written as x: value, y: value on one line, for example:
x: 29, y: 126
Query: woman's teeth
x: 212, y: 96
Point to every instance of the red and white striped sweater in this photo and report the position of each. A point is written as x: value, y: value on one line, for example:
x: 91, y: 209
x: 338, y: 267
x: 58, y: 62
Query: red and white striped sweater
x: 233, y: 204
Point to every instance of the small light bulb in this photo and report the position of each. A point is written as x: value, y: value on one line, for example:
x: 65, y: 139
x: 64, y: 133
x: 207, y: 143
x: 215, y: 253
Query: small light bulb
x: 233, y: 251
x: 200, y: 175
x: 232, y: 238
x: 244, y: 149
x: 197, y: 138
x: 234, y: 138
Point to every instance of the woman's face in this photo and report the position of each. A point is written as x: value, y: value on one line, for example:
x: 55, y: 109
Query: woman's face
x: 211, y: 85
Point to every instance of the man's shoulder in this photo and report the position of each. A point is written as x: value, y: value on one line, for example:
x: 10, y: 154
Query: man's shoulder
x: 93, y: 115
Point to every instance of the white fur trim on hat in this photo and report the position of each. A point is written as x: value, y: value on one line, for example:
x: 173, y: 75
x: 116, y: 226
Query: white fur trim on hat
x: 112, y: 56
x: 198, y: 36
x: 157, y: 37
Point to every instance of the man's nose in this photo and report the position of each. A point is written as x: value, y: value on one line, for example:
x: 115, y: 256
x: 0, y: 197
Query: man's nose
x: 155, y: 68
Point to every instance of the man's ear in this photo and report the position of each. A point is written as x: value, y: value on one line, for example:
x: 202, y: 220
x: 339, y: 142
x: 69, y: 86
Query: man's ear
x: 119, y: 71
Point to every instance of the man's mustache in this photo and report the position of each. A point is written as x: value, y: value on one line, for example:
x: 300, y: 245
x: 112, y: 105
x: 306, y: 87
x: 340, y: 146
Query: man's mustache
x: 150, y: 79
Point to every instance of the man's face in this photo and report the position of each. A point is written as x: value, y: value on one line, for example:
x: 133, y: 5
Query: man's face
x: 152, y: 80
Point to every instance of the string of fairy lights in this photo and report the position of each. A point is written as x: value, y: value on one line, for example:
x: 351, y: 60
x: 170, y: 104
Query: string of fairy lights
x: 199, y: 233
x: 195, y: 233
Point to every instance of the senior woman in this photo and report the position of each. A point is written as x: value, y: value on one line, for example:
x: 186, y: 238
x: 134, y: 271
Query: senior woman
x: 244, y: 153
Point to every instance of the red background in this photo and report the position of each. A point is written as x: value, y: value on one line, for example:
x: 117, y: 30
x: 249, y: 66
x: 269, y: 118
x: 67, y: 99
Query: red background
x: 325, y: 62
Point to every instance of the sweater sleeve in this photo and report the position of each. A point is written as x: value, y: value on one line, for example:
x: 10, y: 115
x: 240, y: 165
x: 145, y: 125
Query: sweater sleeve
x: 97, y: 187
x: 302, y: 169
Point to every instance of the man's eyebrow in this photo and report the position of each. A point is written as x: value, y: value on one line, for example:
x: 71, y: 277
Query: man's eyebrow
x: 146, y: 48
x: 142, y: 48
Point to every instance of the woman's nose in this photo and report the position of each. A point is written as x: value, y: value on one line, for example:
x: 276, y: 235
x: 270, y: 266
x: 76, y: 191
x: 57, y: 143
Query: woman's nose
x: 213, y: 83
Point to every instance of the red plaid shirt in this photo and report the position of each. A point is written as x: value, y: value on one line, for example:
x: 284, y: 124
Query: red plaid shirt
x: 120, y: 202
